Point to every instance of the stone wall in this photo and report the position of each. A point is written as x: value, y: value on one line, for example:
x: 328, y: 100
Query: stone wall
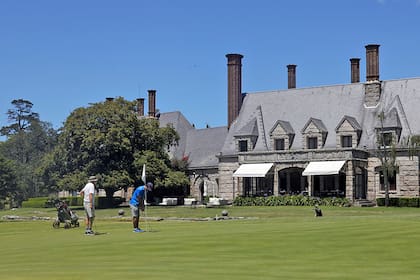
x: 372, y: 93
x: 228, y: 185
x: 407, y: 180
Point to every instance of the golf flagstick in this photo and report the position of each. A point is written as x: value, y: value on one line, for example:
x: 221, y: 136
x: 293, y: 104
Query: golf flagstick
x: 143, y: 177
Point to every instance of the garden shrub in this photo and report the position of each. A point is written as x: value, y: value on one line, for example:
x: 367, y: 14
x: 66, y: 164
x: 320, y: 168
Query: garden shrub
x: 72, y: 201
x: 35, y: 202
x: 291, y: 200
x: 399, y: 201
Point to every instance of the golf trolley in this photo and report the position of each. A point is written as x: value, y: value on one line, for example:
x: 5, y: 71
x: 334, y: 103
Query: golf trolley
x: 65, y: 216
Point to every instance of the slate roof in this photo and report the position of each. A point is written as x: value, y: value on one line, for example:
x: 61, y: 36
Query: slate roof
x: 391, y: 120
x: 328, y: 104
x: 200, y: 145
x: 203, y: 145
x: 181, y: 125
x: 288, y: 129
x: 250, y: 129
x: 318, y: 123
x: 352, y: 121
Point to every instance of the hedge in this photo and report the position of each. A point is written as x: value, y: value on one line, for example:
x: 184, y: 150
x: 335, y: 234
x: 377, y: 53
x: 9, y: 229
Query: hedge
x: 400, y: 201
x: 290, y: 200
x: 73, y: 201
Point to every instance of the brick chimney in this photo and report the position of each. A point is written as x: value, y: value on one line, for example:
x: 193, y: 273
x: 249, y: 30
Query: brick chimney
x: 140, y: 107
x: 291, y: 76
x: 372, y: 63
x: 152, y: 102
x: 355, y: 70
x: 234, y: 64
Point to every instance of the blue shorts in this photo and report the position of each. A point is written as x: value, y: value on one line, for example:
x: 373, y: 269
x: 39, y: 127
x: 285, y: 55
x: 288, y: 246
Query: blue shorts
x: 135, y: 212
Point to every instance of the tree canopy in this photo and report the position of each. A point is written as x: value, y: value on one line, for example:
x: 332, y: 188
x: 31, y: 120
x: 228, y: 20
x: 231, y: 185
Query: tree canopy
x: 8, y: 184
x: 109, y: 140
x: 20, y: 117
x: 28, y: 140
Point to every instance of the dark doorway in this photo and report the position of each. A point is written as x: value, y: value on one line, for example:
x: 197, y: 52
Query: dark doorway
x: 329, y: 185
x: 258, y: 186
x: 291, y: 181
x: 360, y: 183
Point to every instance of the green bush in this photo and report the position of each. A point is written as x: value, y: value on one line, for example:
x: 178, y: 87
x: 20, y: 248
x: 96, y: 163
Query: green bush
x: 399, y: 201
x: 36, y: 202
x: 72, y: 201
x: 291, y: 200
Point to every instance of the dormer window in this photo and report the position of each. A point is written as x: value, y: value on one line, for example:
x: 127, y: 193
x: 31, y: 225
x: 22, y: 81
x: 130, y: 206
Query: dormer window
x: 247, y: 136
x: 312, y: 143
x: 388, y: 129
x: 346, y: 141
x: 279, y: 144
x: 386, y: 139
x: 243, y: 145
x: 314, y: 134
x: 282, y: 136
x: 348, y: 133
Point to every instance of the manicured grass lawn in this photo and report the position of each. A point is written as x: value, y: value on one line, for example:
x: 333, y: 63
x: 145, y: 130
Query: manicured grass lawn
x: 270, y: 243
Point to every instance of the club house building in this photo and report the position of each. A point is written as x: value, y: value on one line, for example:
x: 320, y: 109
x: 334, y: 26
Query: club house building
x: 321, y: 141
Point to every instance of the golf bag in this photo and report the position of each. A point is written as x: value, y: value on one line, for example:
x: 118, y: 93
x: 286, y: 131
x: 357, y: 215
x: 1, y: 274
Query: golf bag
x: 66, y: 216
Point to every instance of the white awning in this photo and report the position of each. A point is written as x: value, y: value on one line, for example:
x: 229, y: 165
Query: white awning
x: 253, y: 170
x: 323, y: 168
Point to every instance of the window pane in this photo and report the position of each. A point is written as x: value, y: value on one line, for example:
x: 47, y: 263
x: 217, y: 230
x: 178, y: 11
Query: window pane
x: 392, y: 181
x: 312, y: 142
x: 346, y: 141
x: 279, y: 144
x: 386, y: 140
x: 243, y: 145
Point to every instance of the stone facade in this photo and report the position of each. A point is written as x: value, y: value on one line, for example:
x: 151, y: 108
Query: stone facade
x: 230, y: 187
x: 279, y: 133
x: 204, y: 182
x: 346, y: 129
x: 407, y: 178
x: 292, y: 128
x: 372, y: 93
x: 312, y: 131
x: 358, y: 168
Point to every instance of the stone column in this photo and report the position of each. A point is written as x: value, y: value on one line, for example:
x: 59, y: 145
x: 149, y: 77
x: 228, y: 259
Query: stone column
x: 276, y: 183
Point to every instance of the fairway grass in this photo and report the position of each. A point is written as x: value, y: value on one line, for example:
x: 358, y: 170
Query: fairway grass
x: 266, y: 243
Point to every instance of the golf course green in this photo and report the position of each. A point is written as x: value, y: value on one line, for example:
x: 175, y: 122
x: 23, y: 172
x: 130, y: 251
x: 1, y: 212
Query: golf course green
x: 191, y: 243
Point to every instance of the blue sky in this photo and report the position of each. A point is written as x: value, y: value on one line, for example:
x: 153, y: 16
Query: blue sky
x: 62, y: 55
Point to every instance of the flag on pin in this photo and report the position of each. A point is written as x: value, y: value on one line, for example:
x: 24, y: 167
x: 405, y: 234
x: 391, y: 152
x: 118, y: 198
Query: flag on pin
x: 143, y: 174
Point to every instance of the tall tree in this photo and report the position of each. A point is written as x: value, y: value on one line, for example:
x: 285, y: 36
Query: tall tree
x: 108, y: 139
x: 387, y: 156
x: 20, y: 117
x: 28, y: 140
x: 8, y: 181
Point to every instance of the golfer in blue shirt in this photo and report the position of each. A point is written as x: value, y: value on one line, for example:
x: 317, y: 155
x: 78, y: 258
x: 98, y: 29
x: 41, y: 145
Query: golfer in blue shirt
x: 137, y: 204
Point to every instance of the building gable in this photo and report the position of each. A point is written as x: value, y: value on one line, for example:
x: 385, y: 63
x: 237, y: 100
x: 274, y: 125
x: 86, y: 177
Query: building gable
x: 348, y: 133
x: 282, y: 134
x: 314, y: 134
